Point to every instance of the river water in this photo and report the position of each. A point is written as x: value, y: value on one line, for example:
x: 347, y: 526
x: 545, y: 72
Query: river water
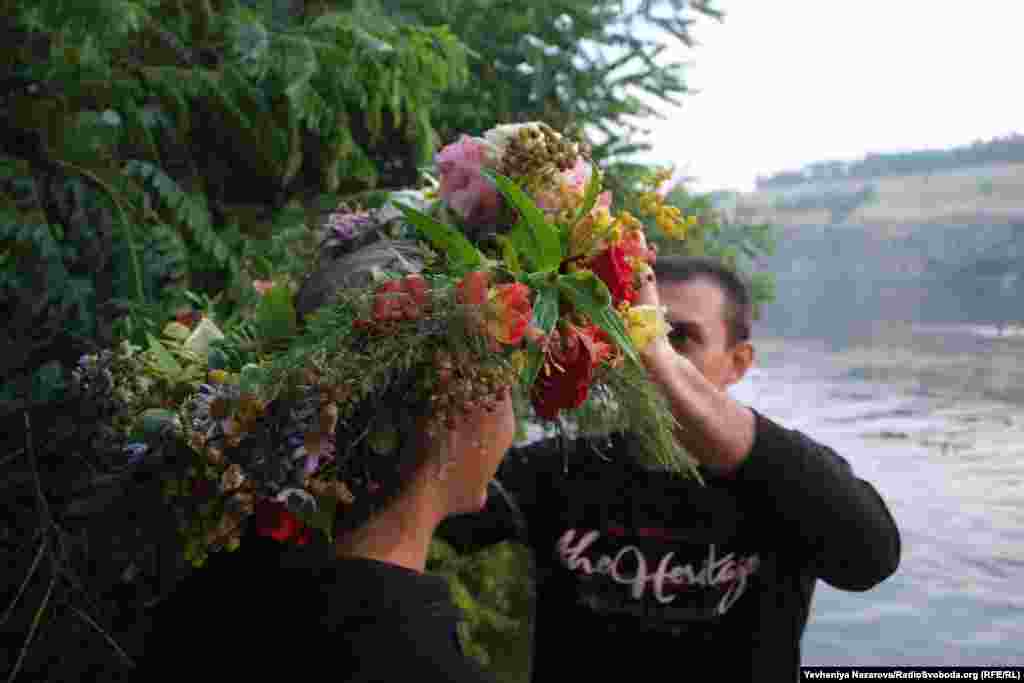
x: 951, y: 469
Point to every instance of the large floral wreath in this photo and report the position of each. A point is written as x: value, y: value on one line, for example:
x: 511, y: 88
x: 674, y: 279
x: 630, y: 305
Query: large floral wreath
x: 526, y: 278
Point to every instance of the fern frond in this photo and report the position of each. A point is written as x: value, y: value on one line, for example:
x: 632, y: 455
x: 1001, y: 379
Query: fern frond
x: 191, y: 210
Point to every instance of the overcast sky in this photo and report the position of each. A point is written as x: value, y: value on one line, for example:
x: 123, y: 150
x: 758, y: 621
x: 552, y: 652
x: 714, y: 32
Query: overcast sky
x: 788, y: 82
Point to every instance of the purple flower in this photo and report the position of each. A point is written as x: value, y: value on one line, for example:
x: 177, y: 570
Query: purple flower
x: 346, y: 225
x: 136, y: 452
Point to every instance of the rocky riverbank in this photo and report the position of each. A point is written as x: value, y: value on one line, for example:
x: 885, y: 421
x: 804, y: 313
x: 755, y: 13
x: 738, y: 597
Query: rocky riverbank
x: 969, y: 362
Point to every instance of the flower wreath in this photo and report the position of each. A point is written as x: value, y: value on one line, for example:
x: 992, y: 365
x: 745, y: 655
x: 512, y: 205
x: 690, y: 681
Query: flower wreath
x: 519, y: 275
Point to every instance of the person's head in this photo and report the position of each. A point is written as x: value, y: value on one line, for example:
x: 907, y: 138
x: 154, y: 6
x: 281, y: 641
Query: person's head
x: 710, y: 311
x: 395, y: 445
x: 462, y: 459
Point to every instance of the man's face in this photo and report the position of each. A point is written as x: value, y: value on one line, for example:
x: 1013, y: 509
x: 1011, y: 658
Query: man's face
x: 696, y: 310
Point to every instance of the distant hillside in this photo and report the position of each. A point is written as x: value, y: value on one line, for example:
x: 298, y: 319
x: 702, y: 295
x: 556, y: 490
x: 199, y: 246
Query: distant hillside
x: 1000, y: 150
x: 986, y: 194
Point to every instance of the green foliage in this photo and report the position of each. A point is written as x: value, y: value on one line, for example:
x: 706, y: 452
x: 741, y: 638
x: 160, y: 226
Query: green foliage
x: 545, y: 314
x: 493, y: 588
x: 590, y: 296
x: 275, y: 315
x: 462, y: 255
x: 741, y: 246
x: 533, y: 236
x: 592, y: 66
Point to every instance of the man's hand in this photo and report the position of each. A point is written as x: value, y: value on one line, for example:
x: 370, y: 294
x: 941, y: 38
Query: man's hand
x: 716, y: 429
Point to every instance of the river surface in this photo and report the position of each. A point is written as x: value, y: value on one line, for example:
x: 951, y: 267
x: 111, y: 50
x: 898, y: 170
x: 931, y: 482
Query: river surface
x: 951, y: 469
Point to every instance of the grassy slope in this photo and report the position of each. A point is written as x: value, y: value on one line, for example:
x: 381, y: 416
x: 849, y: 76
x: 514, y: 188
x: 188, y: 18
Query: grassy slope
x: 990, y: 194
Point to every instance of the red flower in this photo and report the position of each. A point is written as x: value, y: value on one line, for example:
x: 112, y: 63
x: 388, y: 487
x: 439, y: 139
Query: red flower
x: 401, y: 299
x: 611, y: 266
x: 272, y: 518
x: 472, y: 289
x: 188, y: 317
x: 634, y: 244
x: 564, y: 382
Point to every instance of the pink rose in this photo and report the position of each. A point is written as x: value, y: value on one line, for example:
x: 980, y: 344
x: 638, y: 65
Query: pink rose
x: 463, y: 187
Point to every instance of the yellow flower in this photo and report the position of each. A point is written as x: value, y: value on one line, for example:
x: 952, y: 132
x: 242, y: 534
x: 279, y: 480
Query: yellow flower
x: 628, y: 222
x: 645, y: 324
x: 218, y: 376
x: 588, y: 235
x: 518, y: 361
x: 672, y: 223
x: 650, y: 202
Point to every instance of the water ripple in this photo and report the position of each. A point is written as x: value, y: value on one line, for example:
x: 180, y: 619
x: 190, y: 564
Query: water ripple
x: 952, y: 471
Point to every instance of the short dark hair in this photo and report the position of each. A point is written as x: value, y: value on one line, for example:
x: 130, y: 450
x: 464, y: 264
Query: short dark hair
x: 739, y: 309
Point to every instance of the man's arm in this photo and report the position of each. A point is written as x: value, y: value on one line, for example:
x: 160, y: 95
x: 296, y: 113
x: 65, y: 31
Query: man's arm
x: 836, y: 519
x: 803, y: 488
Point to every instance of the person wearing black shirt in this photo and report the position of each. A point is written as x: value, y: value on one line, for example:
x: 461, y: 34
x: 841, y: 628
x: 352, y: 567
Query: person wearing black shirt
x: 639, y: 571
x: 360, y: 608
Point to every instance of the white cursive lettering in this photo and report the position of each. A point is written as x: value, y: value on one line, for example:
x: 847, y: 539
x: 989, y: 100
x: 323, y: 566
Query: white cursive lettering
x: 728, y: 571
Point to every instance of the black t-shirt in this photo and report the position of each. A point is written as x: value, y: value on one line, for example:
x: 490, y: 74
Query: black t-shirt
x: 640, y: 571
x: 265, y: 612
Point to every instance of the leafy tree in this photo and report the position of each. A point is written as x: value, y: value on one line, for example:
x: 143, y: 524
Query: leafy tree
x: 576, y: 64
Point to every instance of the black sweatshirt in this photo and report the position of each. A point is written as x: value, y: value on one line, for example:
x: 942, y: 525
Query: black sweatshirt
x: 264, y: 614
x: 641, y: 572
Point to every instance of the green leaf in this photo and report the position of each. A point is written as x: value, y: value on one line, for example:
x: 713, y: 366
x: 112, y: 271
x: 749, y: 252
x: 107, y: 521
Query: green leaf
x: 253, y: 378
x: 509, y: 253
x: 262, y: 268
x: 48, y: 383
x: 323, y: 518
x: 590, y: 197
x: 546, y: 245
x: 216, y: 359
x: 589, y: 295
x: 461, y: 253
x: 151, y: 422
x: 164, y: 360
x: 275, y: 314
x: 545, y: 315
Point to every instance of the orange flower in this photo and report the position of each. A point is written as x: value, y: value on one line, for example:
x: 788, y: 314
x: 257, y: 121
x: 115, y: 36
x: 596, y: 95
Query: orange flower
x: 506, y: 309
x: 510, y: 312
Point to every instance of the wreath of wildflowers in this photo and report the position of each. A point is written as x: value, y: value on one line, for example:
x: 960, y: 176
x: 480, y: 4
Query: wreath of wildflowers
x: 512, y: 275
